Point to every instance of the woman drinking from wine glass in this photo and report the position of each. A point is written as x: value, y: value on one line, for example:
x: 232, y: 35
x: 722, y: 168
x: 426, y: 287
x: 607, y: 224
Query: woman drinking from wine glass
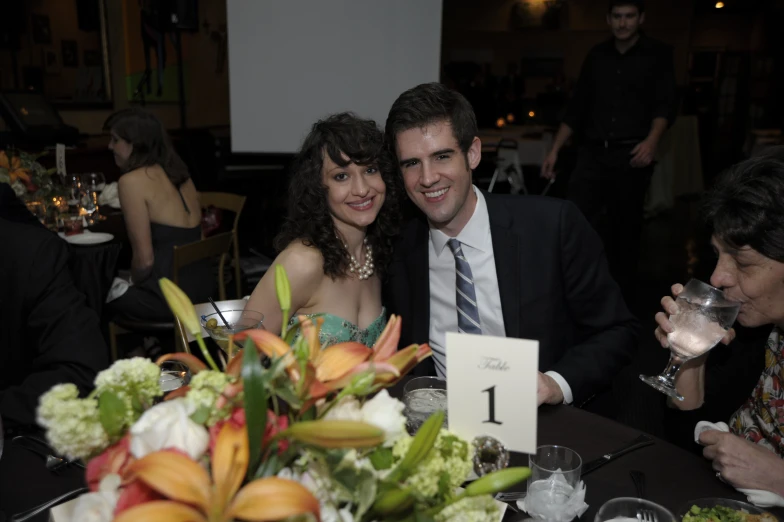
x: 745, y: 210
x: 337, y: 239
x: 161, y: 210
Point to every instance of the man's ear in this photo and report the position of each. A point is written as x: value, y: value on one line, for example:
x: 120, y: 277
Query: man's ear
x: 642, y: 18
x: 474, y: 153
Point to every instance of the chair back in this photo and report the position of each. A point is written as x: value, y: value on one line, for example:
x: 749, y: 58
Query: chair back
x: 233, y: 203
x: 225, y: 201
x: 208, y: 248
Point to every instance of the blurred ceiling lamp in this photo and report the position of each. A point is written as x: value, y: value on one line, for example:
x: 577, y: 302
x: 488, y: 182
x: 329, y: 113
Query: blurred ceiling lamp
x: 500, y: 122
x: 510, y: 117
x: 531, y: 114
x: 719, y: 5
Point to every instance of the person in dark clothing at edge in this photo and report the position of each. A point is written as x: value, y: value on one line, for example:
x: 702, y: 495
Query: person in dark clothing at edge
x: 623, y: 102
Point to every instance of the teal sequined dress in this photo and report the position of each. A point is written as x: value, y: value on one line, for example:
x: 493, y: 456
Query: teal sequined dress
x: 337, y: 330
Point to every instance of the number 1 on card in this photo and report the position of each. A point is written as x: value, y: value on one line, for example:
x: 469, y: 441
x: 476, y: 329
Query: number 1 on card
x: 491, y: 399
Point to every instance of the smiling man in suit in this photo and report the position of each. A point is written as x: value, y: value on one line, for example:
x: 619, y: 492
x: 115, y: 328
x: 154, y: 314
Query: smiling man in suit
x: 523, y: 267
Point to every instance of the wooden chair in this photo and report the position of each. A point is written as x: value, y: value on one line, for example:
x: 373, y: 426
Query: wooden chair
x: 234, y: 203
x: 184, y: 255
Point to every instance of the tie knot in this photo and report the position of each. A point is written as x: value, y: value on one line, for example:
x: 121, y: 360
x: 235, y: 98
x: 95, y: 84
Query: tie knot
x: 454, y: 246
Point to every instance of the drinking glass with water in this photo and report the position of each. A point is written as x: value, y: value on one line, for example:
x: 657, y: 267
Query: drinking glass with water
x: 703, y: 318
x: 555, y: 474
x: 423, y: 396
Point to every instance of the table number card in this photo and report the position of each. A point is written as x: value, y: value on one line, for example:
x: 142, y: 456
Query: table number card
x: 491, y: 385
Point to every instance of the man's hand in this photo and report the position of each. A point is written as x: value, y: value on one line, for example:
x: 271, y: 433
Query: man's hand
x: 548, y: 167
x: 643, y: 153
x: 548, y: 391
x: 743, y: 464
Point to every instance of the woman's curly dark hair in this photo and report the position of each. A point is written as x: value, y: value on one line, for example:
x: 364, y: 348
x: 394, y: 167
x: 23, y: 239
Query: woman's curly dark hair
x: 309, y: 218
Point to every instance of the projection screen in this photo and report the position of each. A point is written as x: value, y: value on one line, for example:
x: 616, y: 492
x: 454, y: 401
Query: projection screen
x: 292, y: 62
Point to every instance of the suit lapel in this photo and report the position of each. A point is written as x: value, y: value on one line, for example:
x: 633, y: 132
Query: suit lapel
x: 418, y: 269
x: 506, y: 251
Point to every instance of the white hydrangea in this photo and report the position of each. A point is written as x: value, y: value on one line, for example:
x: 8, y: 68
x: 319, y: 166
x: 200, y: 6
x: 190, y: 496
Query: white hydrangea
x: 73, y: 425
x: 136, y: 376
x: 205, y: 388
x: 135, y: 381
x: 49, y: 403
x: 451, y: 457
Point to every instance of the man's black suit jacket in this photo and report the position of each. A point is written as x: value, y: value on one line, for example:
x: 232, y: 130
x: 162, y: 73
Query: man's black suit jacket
x: 555, y: 288
x: 48, y: 335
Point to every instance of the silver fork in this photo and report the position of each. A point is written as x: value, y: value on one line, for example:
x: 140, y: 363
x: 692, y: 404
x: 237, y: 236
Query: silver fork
x: 646, y: 515
x: 510, y: 499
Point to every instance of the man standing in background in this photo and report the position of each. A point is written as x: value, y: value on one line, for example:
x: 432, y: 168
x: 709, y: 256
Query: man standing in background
x: 623, y: 102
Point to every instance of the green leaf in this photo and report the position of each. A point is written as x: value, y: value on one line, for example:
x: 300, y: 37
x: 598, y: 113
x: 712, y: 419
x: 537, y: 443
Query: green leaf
x: 111, y: 410
x: 382, y: 458
x: 255, y: 402
x: 283, y: 291
x: 393, y: 501
x: 443, y: 485
x: 497, y: 481
x: 423, y: 442
x: 201, y: 415
x: 365, y: 493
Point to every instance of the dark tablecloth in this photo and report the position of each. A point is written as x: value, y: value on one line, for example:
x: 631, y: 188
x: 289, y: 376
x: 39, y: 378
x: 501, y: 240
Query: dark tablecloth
x: 94, y: 267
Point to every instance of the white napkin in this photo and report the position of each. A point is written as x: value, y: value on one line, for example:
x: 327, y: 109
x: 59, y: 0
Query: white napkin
x: 573, y: 508
x: 109, y: 196
x: 757, y: 497
x: 119, y: 287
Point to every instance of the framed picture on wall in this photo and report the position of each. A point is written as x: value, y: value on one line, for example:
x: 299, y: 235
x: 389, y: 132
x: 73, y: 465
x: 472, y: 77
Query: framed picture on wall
x: 70, y: 53
x: 42, y: 32
x: 51, y: 62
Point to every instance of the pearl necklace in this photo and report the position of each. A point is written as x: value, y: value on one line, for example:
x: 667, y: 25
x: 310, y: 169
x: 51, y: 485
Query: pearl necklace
x: 363, y: 271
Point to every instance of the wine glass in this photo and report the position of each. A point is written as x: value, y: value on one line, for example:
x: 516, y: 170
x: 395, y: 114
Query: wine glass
x: 555, y: 475
x: 627, y: 509
x: 92, y: 184
x: 703, y: 318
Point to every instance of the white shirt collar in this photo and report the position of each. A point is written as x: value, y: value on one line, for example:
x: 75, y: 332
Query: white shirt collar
x: 475, y: 234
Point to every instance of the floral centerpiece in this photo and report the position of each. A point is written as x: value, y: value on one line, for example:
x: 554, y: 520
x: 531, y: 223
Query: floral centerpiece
x: 29, y: 179
x: 311, y: 435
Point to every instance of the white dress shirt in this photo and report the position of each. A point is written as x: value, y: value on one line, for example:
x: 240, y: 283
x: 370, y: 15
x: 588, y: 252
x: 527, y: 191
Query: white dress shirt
x: 477, y: 246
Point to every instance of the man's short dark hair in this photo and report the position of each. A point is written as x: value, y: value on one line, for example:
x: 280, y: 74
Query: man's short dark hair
x: 746, y: 206
x: 639, y: 4
x: 429, y: 103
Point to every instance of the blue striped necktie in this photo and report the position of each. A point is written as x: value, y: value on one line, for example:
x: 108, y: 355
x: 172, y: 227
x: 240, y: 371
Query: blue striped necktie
x: 467, y: 310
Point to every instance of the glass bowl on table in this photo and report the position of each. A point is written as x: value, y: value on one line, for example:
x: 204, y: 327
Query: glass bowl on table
x: 238, y: 321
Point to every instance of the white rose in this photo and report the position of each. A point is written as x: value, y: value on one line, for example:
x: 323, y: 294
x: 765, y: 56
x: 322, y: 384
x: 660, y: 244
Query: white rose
x: 168, y: 425
x: 98, y: 506
x: 347, y: 409
x: 386, y: 413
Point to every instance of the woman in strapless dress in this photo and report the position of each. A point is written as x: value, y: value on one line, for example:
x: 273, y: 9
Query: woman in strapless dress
x: 336, y: 242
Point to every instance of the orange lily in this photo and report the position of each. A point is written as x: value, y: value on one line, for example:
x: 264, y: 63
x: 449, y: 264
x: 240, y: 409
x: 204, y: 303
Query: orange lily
x: 194, y: 496
x: 19, y: 173
x: 333, y: 368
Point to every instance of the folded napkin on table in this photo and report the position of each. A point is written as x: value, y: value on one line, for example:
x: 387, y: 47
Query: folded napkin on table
x: 757, y: 497
x: 110, y: 196
x: 119, y: 287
